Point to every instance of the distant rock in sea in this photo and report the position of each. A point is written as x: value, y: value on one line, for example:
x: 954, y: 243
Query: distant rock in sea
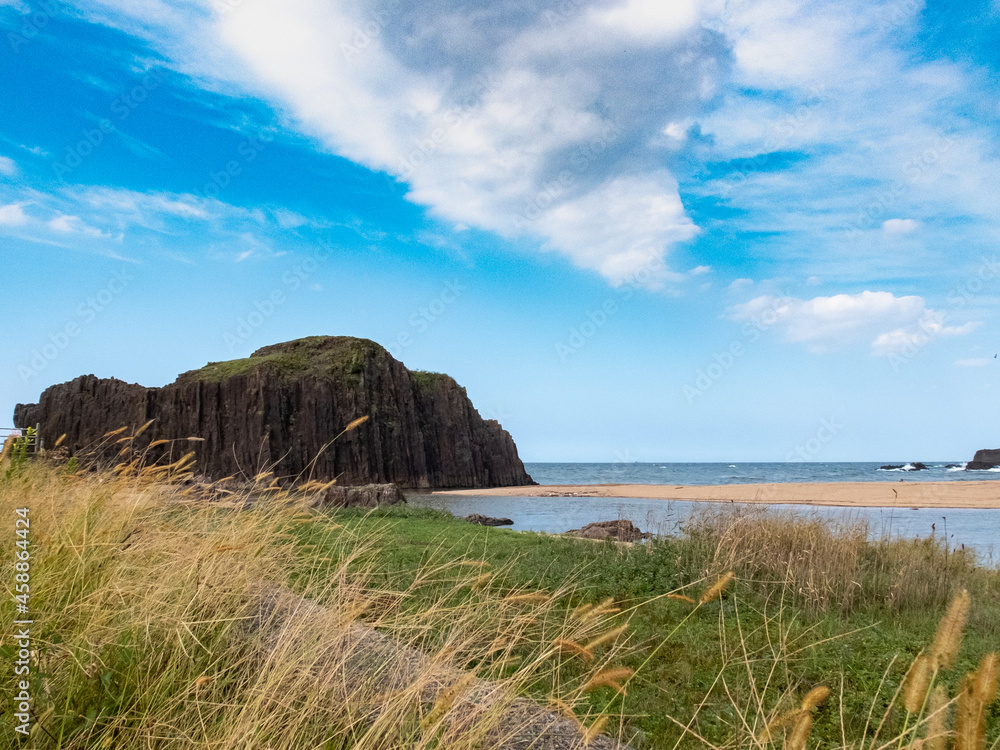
x: 915, y: 466
x: 279, y: 410
x: 984, y: 459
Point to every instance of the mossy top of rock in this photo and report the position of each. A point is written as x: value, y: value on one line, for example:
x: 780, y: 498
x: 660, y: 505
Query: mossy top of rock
x: 426, y: 381
x: 315, y: 356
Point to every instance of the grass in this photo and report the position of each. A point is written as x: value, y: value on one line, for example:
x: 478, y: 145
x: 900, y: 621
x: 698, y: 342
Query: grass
x: 164, y: 620
x: 322, y: 357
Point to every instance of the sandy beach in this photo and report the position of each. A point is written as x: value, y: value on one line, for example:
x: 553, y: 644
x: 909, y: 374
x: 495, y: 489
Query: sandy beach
x: 847, y: 494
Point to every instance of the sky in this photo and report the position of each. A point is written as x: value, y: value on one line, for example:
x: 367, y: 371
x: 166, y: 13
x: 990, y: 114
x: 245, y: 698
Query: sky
x: 634, y: 230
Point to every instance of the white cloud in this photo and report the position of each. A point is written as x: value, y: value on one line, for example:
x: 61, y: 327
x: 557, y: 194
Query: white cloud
x: 930, y: 326
x: 543, y: 136
x: 699, y: 270
x: 900, y: 226
x: 892, y: 324
x: 8, y: 167
x: 976, y: 362
x: 12, y: 215
x: 741, y: 284
x: 65, y: 224
x: 520, y: 119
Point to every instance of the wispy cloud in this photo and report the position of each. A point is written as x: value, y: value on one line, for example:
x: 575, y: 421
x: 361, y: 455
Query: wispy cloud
x: 891, y: 324
x: 8, y: 167
x: 563, y: 121
x: 900, y: 226
x: 12, y: 215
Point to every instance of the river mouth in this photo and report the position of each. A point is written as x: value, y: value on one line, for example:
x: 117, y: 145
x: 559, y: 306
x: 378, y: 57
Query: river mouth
x: 972, y: 528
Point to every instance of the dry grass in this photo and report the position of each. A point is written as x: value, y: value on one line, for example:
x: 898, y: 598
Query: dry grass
x: 831, y: 565
x: 164, y: 620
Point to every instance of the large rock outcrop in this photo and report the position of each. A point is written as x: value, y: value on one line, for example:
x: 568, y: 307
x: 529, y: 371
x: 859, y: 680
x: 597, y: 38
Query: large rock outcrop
x: 984, y: 459
x: 280, y: 409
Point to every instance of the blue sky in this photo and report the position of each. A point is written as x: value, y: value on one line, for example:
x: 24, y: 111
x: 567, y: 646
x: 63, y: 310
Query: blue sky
x: 634, y: 230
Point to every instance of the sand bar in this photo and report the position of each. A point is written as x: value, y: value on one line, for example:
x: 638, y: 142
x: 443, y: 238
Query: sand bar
x: 956, y: 494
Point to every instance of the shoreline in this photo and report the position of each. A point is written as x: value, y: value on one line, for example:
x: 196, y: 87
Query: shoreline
x: 965, y: 494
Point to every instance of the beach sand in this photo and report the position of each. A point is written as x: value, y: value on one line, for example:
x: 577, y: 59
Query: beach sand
x: 962, y: 494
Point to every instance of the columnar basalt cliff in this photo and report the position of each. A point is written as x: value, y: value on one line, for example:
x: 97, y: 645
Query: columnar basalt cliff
x: 281, y: 407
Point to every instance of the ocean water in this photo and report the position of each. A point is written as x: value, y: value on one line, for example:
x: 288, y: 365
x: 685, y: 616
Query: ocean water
x: 750, y: 473
x: 975, y: 528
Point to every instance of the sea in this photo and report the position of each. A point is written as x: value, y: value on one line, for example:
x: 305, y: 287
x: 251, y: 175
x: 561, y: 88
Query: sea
x: 978, y: 529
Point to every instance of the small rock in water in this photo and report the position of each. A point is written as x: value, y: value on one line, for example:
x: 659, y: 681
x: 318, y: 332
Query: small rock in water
x: 622, y: 530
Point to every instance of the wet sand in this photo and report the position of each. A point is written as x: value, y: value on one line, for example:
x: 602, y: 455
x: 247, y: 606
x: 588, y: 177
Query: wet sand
x: 956, y: 494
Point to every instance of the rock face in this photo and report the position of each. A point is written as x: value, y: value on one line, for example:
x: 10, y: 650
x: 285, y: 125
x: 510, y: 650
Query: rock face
x: 281, y: 408
x: 984, y: 459
x: 915, y: 466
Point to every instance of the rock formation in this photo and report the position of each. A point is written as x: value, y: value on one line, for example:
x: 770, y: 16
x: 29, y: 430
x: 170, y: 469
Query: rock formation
x: 366, y: 496
x: 621, y: 530
x: 482, y: 520
x: 984, y: 459
x: 281, y: 408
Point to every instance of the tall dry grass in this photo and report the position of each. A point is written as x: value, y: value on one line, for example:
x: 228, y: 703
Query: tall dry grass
x: 829, y: 564
x: 166, y: 620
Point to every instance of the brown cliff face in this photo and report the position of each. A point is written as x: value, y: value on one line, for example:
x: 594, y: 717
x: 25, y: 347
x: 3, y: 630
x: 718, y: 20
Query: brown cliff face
x: 280, y: 408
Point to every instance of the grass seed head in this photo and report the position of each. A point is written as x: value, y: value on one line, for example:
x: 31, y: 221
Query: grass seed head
x: 969, y: 734
x: 714, y: 591
x: 354, y: 424
x: 814, y: 697
x: 948, y: 638
x: 681, y: 598
x: 937, y: 720
x: 611, y: 678
x: 606, y: 637
x: 800, y: 732
x: 985, y: 686
x: 595, y: 729
x: 567, y: 646
x: 918, y: 682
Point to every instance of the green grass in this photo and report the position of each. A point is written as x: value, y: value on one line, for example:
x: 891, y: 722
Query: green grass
x: 320, y: 357
x: 761, y: 632
x: 139, y: 590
